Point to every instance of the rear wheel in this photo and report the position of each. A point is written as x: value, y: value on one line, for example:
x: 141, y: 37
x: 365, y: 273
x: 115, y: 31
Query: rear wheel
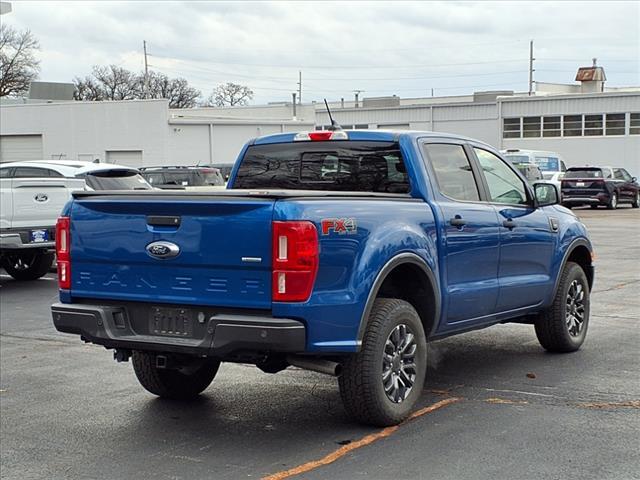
x: 563, y: 327
x: 381, y: 383
x: 28, y: 266
x: 636, y: 201
x: 613, y: 201
x: 182, y: 383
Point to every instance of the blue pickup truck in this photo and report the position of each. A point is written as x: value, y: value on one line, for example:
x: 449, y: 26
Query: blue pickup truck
x: 342, y: 252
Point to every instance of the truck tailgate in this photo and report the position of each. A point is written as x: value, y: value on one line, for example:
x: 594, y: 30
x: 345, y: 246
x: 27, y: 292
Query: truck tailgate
x: 223, y: 259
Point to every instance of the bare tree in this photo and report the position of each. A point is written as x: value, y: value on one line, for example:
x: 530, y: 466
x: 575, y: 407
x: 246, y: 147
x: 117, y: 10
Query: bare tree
x: 176, y: 90
x: 88, y: 89
x: 116, y: 83
x: 229, y: 94
x: 18, y: 63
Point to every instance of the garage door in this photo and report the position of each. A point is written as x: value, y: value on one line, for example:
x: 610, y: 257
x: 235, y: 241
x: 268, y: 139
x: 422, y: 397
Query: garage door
x: 15, y: 148
x: 131, y: 158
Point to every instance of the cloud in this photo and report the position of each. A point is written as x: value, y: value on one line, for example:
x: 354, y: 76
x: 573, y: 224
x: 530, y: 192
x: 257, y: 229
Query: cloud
x: 384, y: 48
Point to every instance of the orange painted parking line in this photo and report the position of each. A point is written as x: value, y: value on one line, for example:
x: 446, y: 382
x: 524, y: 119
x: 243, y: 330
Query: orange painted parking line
x: 364, y: 441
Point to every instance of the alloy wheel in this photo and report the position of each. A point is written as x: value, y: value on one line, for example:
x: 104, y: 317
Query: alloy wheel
x: 575, y: 308
x: 398, y: 363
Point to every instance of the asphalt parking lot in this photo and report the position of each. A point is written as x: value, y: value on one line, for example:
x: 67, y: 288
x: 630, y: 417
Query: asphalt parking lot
x: 500, y: 406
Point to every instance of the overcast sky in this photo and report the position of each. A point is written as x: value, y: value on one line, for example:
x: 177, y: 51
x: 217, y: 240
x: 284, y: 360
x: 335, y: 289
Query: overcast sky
x: 383, y: 48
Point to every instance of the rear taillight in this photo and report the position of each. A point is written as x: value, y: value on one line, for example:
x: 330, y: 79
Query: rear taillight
x: 63, y: 245
x: 295, y: 260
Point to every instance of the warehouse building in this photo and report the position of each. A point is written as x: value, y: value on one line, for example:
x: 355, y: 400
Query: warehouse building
x: 586, y: 122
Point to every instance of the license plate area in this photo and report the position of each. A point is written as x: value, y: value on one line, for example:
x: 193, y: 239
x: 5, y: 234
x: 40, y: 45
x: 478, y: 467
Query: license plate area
x: 171, y: 322
x: 38, y: 236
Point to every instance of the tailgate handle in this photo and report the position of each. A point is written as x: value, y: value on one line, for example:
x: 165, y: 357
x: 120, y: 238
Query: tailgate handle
x: 163, y: 220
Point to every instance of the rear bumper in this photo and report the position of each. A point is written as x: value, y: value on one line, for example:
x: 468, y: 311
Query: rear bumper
x: 17, y: 241
x: 598, y: 199
x: 220, y: 335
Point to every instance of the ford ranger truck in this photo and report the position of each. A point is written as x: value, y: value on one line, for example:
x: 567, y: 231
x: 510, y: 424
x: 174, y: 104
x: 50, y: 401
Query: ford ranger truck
x: 342, y: 252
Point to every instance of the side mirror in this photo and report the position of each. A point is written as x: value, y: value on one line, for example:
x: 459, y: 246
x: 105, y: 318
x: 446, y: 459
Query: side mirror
x: 634, y: 179
x: 546, y: 194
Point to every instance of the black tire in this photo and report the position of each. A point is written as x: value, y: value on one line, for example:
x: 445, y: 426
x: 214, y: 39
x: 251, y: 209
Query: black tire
x: 636, y: 201
x: 28, y: 266
x: 180, y: 384
x: 556, y: 331
x: 613, y: 201
x: 362, y: 386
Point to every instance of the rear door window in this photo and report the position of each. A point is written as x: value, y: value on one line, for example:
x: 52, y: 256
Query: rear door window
x: 453, y: 171
x: 356, y: 166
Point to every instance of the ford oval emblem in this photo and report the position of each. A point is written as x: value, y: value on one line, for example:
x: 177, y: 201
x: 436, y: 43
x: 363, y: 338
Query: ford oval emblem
x: 163, y: 250
x: 41, y: 197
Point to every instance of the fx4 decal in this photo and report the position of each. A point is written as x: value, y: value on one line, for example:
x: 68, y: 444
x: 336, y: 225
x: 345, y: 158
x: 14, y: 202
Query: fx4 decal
x: 341, y: 226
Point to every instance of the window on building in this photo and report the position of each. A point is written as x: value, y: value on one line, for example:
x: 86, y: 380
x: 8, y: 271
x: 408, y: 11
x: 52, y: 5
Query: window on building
x: 572, y: 125
x: 593, y: 125
x: 551, y: 126
x: 634, y: 124
x: 453, y: 171
x: 531, y: 127
x: 511, y: 128
x: 504, y: 184
x: 361, y: 126
x: 615, y: 124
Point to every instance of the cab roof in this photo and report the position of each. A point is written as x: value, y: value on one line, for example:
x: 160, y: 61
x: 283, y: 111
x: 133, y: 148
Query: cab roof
x: 364, y: 135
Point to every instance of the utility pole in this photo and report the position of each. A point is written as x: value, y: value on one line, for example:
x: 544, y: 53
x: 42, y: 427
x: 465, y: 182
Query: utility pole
x: 146, y: 70
x: 531, y: 70
x: 299, y: 87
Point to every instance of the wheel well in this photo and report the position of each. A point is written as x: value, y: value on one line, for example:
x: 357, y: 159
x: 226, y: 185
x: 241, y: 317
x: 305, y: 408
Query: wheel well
x: 410, y: 283
x: 582, y: 256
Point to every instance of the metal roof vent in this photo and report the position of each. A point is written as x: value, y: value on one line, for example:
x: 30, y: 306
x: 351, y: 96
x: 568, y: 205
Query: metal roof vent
x: 592, y: 78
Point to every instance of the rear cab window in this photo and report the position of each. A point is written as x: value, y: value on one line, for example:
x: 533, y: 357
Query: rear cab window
x: 453, y: 171
x: 339, y: 165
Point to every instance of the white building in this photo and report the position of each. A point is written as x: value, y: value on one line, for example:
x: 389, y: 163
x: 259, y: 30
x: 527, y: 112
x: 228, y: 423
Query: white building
x: 587, y: 123
x: 134, y: 132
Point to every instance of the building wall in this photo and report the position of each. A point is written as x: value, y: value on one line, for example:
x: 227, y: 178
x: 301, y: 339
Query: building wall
x: 76, y: 130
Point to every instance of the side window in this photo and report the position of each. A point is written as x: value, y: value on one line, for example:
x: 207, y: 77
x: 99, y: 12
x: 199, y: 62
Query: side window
x: 4, y: 173
x: 53, y: 173
x: 626, y: 175
x: 617, y: 174
x: 453, y: 171
x: 607, y: 173
x: 504, y: 185
x: 564, y: 167
x: 30, y: 172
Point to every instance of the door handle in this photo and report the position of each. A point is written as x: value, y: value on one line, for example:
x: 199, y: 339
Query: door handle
x: 510, y: 224
x: 458, y: 221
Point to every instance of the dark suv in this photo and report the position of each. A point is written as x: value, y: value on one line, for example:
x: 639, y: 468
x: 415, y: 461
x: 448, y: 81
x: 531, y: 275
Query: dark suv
x: 597, y: 186
x: 183, y: 177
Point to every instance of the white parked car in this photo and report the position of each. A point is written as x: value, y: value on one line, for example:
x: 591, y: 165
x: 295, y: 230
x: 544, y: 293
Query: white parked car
x: 550, y: 164
x: 33, y: 193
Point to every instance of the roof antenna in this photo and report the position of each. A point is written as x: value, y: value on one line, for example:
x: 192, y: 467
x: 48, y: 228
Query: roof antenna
x: 334, y: 125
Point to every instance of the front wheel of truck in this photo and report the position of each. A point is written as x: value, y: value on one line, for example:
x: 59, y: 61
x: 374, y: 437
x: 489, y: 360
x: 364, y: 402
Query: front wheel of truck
x: 563, y: 327
x: 180, y: 382
x: 381, y: 383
